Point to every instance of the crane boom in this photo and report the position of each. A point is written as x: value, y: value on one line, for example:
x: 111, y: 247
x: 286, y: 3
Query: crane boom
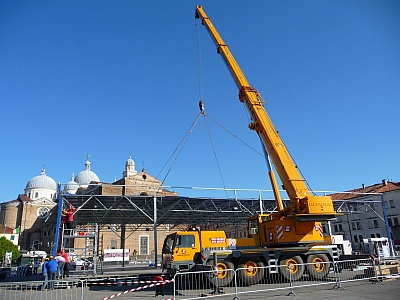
x: 304, y: 205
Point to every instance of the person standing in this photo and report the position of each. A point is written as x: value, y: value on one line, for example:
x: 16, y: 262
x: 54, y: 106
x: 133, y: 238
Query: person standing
x: 35, y: 267
x: 52, y: 271
x: 45, y: 274
x: 159, y: 287
x: 66, y: 265
x: 60, y: 265
x: 68, y: 219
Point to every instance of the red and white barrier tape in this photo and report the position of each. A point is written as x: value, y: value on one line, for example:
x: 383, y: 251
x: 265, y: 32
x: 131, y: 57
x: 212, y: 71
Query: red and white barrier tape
x: 138, y: 289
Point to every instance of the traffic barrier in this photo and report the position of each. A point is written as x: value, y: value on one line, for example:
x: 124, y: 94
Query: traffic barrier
x: 29, y: 290
x: 283, y: 278
x: 17, y: 271
x: 138, y: 289
x: 388, y: 267
x: 197, y: 285
x: 354, y: 270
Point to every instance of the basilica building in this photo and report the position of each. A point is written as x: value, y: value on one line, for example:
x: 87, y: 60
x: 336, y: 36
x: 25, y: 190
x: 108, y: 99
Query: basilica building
x: 34, y: 213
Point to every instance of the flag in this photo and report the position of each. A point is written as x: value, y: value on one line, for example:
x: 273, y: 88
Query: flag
x: 16, y: 230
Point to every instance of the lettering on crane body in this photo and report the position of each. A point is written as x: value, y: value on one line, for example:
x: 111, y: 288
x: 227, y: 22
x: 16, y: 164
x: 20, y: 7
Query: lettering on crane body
x: 319, y: 204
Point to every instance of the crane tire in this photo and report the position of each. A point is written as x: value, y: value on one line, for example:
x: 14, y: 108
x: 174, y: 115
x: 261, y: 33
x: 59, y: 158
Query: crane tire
x: 224, y: 273
x: 318, y: 266
x: 250, y: 270
x: 291, y: 268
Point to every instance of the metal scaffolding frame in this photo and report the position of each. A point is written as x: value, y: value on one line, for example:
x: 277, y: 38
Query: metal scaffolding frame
x: 176, y: 210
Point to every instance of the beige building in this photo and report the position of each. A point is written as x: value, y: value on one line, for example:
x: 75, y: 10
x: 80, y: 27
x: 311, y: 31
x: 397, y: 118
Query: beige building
x: 35, y: 211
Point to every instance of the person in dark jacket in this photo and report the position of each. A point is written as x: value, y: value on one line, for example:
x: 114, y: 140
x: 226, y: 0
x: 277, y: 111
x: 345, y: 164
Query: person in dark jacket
x: 52, y: 271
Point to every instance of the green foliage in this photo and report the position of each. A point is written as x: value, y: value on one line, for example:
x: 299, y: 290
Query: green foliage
x: 8, y: 246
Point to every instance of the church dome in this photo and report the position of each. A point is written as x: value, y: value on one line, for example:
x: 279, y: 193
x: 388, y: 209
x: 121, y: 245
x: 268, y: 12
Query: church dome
x: 129, y: 168
x: 42, y: 182
x: 86, y: 176
x: 71, y: 187
x: 130, y: 161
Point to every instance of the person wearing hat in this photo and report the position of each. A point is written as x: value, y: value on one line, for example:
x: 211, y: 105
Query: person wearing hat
x: 45, y: 274
x: 52, y: 271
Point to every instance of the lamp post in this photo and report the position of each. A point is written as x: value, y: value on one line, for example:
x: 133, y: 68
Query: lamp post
x: 388, y: 232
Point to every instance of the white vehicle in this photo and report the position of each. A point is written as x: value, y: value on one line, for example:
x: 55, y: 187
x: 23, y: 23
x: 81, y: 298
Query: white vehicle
x: 79, y: 263
x: 82, y: 263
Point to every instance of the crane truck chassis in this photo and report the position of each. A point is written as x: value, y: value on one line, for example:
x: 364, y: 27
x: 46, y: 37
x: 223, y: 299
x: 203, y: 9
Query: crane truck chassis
x: 194, y: 250
x: 282, y: 240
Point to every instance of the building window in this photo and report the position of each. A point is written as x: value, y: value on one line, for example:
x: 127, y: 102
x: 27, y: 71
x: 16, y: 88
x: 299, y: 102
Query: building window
x: 143, y: 245
x: 376, y: 224
x: 370, y: 224
x: 43, y: 212
x: 340, y: 227
x: 395, y: 221
x: 356, y: 239
x: 359, y: 226
x: 378, y: 235
x: 390, y: 222
x: 391, y: 202
x: 186, y: 241
x: 12, y: 237
x: 360, y: 238
x: 372, y: 235
x: 113, y: 244
x: 335, y: 228
x: 36, y: 195
x: 353, y: 225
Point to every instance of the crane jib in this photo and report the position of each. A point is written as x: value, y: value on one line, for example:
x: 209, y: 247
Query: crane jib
x: 302, y: 200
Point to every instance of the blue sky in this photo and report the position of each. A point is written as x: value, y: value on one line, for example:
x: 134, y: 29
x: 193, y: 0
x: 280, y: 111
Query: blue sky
x: 114, y: 78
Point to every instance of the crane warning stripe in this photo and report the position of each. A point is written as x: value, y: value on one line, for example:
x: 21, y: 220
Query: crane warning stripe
x: 217, y: 240
x: 319, y: 228
x: 279, y: 231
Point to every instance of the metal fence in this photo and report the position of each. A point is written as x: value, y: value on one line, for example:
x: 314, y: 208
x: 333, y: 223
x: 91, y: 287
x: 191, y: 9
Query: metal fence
x: 29, y: 290
x: 198, y: 285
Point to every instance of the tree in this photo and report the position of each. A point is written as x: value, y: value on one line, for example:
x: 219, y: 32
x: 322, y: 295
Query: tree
x: 8, y: 246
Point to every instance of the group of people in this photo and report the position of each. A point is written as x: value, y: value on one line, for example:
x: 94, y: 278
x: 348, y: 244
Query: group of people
x: 55, y: 268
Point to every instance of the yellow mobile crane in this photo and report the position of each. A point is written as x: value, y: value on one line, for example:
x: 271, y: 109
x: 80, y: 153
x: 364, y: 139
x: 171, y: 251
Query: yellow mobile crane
x: 290, y: 236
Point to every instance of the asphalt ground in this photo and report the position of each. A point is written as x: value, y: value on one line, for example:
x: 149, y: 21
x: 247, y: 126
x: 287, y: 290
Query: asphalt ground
x: 362, y: 289
x: 358, y: 290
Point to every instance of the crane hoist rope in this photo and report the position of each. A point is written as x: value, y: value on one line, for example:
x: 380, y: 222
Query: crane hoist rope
x: 179, y: 148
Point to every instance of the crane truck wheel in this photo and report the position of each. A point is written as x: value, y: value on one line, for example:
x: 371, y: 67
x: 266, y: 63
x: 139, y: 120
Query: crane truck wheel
x: 318, y: 266
x: 291, y: 268
x: 250, y: 270
x: 224, y: 273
